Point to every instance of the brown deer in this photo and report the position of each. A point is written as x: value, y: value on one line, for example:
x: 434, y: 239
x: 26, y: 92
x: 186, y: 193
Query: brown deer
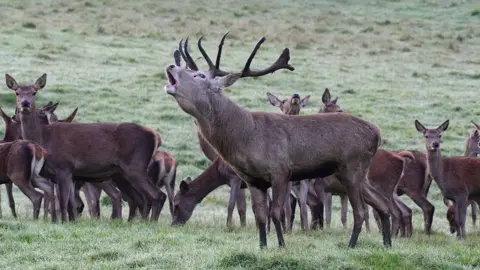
x: 455, y: 176
x: 292, y: 106
x: 21, y: 162
x: 124, y: 148
x: 269, y: 149
x: 472, y: 149
x: 217, y: 174
x: 193, y: 192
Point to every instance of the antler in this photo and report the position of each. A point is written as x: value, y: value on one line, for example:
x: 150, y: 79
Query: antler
x: 281, y: 63
x: 186, y: 56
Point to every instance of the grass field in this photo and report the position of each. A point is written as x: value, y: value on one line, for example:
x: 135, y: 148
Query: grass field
x: 390, y: 62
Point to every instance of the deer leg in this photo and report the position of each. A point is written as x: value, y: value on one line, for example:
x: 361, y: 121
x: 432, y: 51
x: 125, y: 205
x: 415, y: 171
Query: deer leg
x: 63, y: 178
x: 344, y: 211
x: 242, y: 207
x: 268, y: 210
x: 1, y: 214
x: 367, y: 219
x: 259, y: 206
x: 303, y: 204
x: 280, y: 189
x: 381, y: 204
x: 11, y: 201
x: 234, y: 188
x: 293, y: 207
x: 407, y: 226
x: 319, y: 187
x: 25, y: 186
x: 353, y: 184
x: 427, y: 208
x: 92, y: 193
x: 474, y: 213
x: 460, y: 216
x: 327, y: 203
x: 48, y: 191
x: 376, y: 216
x: 116, y: 197
x: 286, y: 207
x: 155, y: 196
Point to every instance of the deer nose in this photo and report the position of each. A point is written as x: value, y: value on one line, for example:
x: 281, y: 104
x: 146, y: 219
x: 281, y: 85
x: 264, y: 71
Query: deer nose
x: 25, y: 103
x: 171, y: 67
x: 435, y: 144
x: 296, y: 95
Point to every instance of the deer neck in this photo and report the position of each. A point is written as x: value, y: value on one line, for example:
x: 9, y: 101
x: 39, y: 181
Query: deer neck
x: 207, y: 150
x: 435, y: 166
x: 206, y: 182
x: 31, y: 127
x: 224, y: 124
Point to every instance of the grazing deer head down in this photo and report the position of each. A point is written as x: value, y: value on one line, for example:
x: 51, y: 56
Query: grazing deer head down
x: 472, y: 144
x: 329, y: 104
x: 26, y: 93
x: 291, y: 105
x: 432, y: 136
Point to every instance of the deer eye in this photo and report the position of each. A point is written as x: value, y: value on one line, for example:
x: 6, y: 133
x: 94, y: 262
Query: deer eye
x: 200, y: 75
x: 34, y: 93
x: 426, y: 136
x: 17, y: 93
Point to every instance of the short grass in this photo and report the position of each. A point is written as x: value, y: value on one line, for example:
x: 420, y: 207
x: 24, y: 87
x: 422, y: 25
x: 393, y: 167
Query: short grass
x: 390, y: 62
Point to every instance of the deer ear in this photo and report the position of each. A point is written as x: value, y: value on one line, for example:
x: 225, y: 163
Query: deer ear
x: 443, y: 126
x: 476, y: 133
x: 304, y: 101
x: 11, y: 83
x: 5, y: 117
x: 274, y: 100
x: 334, y: 101
x: 183, y: 187
x: 188, y: 180
x: 475, y: 125
x: 225, y: 81
x: 41, y: 82
x: 326, y: 96
x: 420, y: 127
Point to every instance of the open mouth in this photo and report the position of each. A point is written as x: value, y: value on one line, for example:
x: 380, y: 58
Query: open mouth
x: 171, y: 79
x: 25, y: 109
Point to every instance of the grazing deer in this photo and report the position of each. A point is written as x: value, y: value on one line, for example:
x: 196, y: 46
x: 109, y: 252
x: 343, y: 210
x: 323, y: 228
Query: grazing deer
x: 217, y: 174
x: 193, y: 192
x: 124, y: 148
x: 269, y: 149
x: 472, y: 149
x: 21, y: 162
x: 455, y: 176
x: 292, y: 106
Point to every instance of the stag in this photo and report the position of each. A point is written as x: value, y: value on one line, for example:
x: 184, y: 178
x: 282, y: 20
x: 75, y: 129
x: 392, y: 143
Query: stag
x: 268, y: 149
x: 455, y: 176
x: 123, y: 148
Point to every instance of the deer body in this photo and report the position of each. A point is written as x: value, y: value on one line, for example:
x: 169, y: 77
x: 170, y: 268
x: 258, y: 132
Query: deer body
x: 270, y: 149
x: 457, y: 177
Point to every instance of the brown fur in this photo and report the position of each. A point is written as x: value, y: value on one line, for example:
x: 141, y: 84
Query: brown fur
x: 457, y: 177
x: 192, y: 193
x: 225, y: 176
x: 270, y: 149
x: 117, y: 148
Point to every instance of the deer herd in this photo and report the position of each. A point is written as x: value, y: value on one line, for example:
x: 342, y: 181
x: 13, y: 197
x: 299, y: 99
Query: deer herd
x: 284, y: 159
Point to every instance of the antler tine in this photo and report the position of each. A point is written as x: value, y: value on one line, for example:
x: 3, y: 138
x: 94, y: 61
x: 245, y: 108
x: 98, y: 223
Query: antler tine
x: 191, y: 62
x: 281, y: 63
x: 211, y: 67
x: 176, y: 56
x: 180, y: 49
x: 476, y: 125
x: 219, y: 54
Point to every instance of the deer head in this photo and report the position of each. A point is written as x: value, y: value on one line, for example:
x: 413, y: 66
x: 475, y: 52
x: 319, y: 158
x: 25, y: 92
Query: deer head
x: 182, y: 208
x: 472, y: 147
x: 195, y: 89
x: 291, y: 105
x: 12, y: 128
x: 25, y: 93
x: 432, y: 136
x: 329, y: 104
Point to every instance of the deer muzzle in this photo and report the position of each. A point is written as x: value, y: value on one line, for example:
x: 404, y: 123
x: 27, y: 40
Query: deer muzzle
x: 172, y: 80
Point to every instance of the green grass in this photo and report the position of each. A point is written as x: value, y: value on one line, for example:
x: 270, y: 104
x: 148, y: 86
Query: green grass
x: 390, y: 62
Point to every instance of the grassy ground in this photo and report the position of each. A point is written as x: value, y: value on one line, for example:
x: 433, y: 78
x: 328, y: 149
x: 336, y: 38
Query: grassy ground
x: 389, y: 61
